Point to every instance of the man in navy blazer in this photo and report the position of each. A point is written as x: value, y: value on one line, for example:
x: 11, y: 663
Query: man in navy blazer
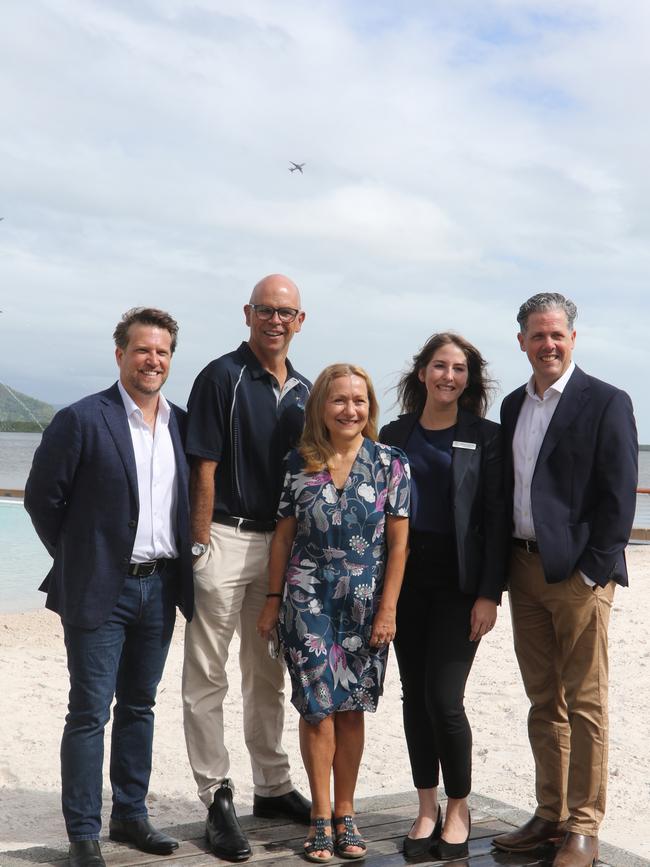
x: 571, y: 473
x: 108, y: 496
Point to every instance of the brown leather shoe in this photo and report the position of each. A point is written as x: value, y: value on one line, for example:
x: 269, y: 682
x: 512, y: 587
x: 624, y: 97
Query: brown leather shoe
x: 577, y: 850
x: 535, y: 832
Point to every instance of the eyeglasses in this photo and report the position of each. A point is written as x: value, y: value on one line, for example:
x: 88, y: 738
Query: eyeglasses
x: 285, y: 314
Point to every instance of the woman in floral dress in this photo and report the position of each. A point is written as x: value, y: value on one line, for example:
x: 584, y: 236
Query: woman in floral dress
x: 336, y: 567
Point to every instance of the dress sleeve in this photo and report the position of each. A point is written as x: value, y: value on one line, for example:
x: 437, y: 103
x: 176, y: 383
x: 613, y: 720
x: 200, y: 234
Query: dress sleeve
x: 287, y: 505
x: 399, y: 485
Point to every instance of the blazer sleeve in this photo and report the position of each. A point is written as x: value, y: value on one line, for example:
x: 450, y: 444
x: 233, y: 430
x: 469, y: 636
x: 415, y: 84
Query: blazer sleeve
x: 52, y: 476
x: 616, y: 468
x: 493, y: 575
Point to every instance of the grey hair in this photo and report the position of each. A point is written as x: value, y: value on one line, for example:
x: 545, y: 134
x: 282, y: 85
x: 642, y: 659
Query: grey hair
x: 541, y: 303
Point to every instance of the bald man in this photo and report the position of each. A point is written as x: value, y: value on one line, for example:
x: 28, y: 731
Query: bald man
x: 245, y: 412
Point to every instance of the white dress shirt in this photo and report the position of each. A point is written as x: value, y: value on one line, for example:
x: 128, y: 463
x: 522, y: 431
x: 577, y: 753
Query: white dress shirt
x: 155, y: 462
x: 534, y: 418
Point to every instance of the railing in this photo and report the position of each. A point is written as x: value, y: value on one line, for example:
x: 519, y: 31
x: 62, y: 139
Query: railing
x: 641, y: 534
x: 638, y: 534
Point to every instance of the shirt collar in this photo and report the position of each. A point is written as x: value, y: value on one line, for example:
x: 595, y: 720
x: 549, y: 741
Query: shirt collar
x: 131, y: 406
x: 253, y: 362
x: 557, y: 387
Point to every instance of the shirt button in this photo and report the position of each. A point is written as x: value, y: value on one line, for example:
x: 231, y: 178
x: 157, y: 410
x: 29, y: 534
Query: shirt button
x: 133, y: 523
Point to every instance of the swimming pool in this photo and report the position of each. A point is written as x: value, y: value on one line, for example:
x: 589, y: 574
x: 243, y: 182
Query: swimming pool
x: 24, y: 561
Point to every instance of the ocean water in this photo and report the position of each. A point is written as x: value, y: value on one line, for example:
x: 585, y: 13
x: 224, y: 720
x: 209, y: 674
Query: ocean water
x: 24, y: 562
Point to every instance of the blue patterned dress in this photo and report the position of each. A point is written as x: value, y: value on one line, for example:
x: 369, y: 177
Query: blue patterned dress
x: 335, y: 576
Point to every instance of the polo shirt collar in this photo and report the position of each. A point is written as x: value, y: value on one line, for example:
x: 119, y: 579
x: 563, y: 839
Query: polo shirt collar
x: 253, y: 363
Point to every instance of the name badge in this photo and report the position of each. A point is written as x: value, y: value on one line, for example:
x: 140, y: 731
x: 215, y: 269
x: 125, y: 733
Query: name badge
x: 457, y: 444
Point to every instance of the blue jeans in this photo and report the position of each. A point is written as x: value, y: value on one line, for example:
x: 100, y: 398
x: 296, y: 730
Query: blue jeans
x: 124, y: 657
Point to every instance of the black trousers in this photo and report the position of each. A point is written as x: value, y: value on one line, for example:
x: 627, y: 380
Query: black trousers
x: 435, y: 657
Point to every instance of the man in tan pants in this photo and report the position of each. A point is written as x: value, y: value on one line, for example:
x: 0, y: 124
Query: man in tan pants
x: 571, y: 470
x: 244, y: 414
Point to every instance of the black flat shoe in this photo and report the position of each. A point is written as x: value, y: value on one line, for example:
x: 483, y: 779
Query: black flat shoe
x: 292, y: 806
x: 222, y: 828
x: 415, y: 846
x: 450, y: 851
x: 142, y: 834
x: 86, y: 853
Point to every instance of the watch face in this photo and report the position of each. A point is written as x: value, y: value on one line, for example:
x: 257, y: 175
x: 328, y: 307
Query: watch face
x: 198, y: 548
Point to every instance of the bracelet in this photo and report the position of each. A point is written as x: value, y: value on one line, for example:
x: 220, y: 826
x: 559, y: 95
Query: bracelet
x: 270, y: 595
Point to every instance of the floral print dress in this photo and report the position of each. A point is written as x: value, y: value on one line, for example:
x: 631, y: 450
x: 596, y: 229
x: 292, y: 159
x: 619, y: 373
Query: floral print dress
x: 334, y: 579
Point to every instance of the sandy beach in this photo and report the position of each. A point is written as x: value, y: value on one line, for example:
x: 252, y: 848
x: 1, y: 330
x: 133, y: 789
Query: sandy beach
x: 33, y: 683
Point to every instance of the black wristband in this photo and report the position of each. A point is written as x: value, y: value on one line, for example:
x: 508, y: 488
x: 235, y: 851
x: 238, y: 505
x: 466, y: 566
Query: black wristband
x: 269, y: 595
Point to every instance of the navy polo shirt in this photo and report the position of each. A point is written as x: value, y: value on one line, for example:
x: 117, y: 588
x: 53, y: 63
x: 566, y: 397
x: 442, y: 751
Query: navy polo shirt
x: 238, y: 417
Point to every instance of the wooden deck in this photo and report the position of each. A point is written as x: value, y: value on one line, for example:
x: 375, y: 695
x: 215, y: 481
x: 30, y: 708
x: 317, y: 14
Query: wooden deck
x: 383, y: 821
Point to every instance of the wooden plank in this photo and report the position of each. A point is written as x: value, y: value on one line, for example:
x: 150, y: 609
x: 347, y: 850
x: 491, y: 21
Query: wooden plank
x: 383, y: 821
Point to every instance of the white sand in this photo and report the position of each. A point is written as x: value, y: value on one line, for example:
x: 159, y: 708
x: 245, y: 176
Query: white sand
x: 33, y: 686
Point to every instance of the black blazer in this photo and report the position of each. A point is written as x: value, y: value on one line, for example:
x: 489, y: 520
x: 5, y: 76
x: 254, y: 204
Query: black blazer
x: 82, y: 497
x: 477, y: 498
x: 584, y: 485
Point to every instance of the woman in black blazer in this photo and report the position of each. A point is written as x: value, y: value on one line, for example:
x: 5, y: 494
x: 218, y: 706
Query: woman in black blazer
x: 454, y: 575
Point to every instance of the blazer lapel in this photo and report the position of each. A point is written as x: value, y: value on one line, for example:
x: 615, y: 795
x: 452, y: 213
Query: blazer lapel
x: 572, y: 400
x: 179, y: 452
x: 114, y: 415
x: 462, y: 459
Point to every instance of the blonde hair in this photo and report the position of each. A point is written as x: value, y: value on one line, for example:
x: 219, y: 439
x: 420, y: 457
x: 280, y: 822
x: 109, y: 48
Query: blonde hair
x: 315, y: 446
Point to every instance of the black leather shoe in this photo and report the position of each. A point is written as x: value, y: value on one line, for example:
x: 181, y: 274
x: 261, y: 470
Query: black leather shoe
x: 143, y: 835
x: 291, y: 806
x: 86, y: 853
x: 415, y: 846
x: 451, y: 851
x: 222, y: 828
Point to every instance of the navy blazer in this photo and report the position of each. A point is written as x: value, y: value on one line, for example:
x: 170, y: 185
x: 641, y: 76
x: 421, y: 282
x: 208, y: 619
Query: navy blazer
x: 477, y: 500
x: 82, y: 497
x: 584, y: 484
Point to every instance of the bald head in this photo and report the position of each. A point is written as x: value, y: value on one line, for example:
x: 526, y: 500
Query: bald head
x: 271, y: 335
x: 282, y: 288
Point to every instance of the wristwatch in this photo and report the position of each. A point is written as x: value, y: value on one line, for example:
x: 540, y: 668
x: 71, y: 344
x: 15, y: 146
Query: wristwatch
x: 198, y: 549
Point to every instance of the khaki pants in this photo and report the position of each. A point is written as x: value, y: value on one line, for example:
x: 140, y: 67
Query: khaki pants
x: 560, y: 636
x: 230, y: 586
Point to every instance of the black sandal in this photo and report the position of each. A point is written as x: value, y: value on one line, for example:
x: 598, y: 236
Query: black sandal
x: 344, y: 840
x: 320, y: 842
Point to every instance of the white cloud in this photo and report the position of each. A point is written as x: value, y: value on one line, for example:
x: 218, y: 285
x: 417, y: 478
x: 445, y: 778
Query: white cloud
x: 460, y: 157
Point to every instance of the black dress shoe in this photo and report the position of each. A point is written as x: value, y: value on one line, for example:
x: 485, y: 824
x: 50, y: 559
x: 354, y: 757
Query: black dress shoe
x: 291, y: 806
x: 86, y: 853
x: 415, y: 846
x: 222, y: 828
x: 451, y: 851
x: 143, y: 835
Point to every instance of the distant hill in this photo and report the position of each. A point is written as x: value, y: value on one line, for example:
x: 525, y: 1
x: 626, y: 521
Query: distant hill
x: 20, y: 412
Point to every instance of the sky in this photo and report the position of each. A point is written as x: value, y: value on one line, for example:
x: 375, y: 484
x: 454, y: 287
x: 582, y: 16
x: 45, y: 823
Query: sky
x: 460, y: 157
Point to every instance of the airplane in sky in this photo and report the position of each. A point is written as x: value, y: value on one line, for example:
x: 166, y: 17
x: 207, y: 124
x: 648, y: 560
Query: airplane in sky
x: 295, y: 166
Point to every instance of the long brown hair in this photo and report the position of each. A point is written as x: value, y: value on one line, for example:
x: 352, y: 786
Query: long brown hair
x: 315, y: 446
x: 412, y: 392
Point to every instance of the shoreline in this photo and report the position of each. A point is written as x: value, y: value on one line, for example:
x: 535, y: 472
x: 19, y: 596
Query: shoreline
x: 33, y: 679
